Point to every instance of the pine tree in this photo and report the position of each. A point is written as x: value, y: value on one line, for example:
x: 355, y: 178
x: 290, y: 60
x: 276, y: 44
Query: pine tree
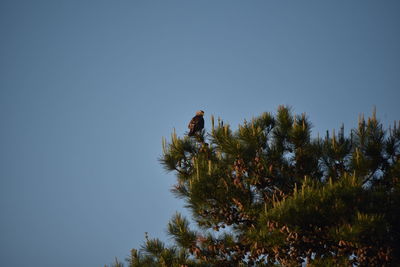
x: 268, y: 194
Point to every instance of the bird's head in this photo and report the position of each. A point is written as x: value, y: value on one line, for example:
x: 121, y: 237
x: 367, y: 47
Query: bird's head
x: 200, y: 113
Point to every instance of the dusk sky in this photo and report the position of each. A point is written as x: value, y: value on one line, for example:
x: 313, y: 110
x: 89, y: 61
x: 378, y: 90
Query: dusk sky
x: 89, y: 88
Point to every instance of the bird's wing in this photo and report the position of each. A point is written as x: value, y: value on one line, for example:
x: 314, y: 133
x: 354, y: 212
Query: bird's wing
x: 201, y: 123
x: 193, y: 122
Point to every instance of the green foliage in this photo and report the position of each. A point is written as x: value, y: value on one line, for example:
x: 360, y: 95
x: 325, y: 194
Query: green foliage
x: 116, y: 263
x: 178, y: 228
x: 268, y: 194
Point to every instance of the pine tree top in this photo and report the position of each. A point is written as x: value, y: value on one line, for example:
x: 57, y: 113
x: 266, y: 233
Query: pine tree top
x: 282, y: 196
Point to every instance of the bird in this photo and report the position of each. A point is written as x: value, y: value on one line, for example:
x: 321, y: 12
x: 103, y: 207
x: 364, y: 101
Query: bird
x: 196, y: 124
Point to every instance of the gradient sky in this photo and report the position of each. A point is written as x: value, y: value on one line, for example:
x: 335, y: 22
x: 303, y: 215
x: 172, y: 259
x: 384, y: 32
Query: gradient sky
x: 89, y: 88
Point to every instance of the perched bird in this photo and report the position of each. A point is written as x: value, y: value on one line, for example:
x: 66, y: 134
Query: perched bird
x: 196, y: 124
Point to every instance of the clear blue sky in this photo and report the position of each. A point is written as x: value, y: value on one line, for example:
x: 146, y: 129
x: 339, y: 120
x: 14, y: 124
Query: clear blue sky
x: 89, y: 88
